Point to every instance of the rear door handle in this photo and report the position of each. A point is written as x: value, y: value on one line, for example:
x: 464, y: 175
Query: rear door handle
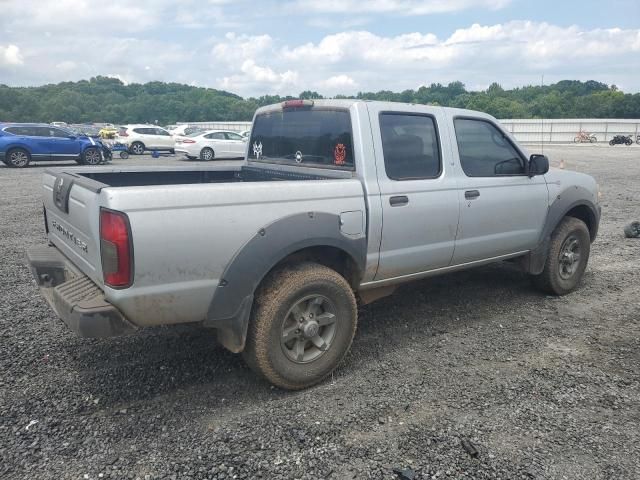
x: 399, y: 201
x: 471, y: 194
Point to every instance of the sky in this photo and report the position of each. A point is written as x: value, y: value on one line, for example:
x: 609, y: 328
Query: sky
x: 255, y: 48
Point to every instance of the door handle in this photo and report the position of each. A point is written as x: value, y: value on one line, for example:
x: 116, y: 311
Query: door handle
x: 471, y: 194
x: 399, y: 201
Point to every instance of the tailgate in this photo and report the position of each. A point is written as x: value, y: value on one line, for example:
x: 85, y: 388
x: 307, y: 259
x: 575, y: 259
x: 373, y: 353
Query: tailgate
x: 72, y: 216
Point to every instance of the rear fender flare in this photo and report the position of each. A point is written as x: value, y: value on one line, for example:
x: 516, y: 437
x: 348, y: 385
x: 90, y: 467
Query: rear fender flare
x: 230, y: 307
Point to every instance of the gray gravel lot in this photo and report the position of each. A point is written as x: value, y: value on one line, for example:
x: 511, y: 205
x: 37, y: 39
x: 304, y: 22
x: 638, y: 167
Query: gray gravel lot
x: 544, y: 387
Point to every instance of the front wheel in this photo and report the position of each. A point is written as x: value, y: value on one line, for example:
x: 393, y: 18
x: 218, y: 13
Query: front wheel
x: 577, y: 140
x: 628, y: 142
x: 612, y: 143
x: 567, y: 258
x: 593, y: 139
x: 302, y: 325
x: 91, y: 156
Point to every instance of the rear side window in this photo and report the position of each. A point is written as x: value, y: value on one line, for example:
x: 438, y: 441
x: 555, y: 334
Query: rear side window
x: 232, y: 136
x: 313, y: 137
x: 215, y: 136
x: 410, y: 146
x: 159, y: 131
x: 26, y: 130
x: 485, y: 151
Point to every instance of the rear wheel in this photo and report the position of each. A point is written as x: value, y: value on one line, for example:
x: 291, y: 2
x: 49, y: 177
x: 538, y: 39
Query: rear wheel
x: 137, y: 148
x: 593, y: 139
x: 567, y: 258
x: 18, y: 158
x: 207, y: 154
x: 91, y: 156
x: 302, y: 324
x: 612, y: 143
x: 577, y: 139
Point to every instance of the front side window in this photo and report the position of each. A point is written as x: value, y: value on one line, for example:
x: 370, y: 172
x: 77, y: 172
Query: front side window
x: 313, y: 137
x: 410, y: 146
x: 56, y: 132
x: 485, y: 151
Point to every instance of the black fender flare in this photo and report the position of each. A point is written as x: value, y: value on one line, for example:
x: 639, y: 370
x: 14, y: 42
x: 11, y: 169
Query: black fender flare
x: 566, y: 201
x: 230, y: 308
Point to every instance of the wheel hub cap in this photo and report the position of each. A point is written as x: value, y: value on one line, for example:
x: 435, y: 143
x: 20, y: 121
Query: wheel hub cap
x: 569, y: 258
x: 308, y: 329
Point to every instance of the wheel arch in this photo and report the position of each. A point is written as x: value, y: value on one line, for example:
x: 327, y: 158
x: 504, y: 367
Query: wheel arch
x: 565, y: 206
x: 310, y: 236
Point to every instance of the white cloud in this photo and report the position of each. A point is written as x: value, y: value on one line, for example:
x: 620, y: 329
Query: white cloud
x: 338, y: 83
x: 401, y: 7
x: 10, y: 56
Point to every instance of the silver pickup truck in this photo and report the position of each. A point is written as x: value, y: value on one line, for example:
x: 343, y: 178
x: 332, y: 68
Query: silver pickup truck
x: 338, y: 201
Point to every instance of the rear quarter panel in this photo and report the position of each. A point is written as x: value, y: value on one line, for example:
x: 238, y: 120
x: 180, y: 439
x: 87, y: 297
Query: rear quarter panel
x: 185, y: 235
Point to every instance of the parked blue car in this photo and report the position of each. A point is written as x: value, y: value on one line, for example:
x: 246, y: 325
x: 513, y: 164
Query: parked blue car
x: 21, y: 143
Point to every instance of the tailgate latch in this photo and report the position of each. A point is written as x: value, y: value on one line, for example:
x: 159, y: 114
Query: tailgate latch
x: 61, y: 190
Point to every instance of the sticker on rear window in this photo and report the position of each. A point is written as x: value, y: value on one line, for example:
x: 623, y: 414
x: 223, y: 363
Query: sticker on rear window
x: 257, y: 150
x: 339, y: 154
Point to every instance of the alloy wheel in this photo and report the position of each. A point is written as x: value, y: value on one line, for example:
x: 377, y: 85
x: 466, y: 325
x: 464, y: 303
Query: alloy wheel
x: 308, y: 329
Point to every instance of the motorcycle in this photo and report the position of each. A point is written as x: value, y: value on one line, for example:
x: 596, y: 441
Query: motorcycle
x: 583, y: 136
x: 620, y: 139
x: 638, y: 139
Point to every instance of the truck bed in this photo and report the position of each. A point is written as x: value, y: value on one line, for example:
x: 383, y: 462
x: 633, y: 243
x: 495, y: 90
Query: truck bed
x: 172, y: 176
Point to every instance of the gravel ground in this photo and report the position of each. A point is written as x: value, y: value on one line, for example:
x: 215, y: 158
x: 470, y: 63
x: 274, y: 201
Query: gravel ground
x: 543, y: 387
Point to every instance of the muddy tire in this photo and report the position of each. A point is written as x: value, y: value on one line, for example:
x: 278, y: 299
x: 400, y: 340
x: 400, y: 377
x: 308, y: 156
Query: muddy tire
x: 567, y: 259
x: 302, y: 324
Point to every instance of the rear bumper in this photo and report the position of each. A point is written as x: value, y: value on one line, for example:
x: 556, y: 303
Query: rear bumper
x: 74, y: 297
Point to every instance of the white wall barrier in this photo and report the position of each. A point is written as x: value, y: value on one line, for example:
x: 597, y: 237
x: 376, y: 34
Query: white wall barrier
x: 565, y: 130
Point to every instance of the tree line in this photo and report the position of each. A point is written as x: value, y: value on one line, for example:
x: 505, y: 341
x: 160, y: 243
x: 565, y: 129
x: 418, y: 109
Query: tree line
x: 105, y: 99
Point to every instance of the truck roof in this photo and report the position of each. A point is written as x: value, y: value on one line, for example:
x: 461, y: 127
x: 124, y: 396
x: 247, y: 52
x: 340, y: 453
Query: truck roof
x: 348, y: 103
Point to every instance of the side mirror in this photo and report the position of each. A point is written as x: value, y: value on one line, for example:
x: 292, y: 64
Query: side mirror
x: 538, y: 165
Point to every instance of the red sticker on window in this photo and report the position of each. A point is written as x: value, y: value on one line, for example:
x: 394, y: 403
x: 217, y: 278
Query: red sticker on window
x: 340, y: 154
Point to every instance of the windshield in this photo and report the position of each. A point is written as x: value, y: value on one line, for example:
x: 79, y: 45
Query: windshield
x: 312, y: 137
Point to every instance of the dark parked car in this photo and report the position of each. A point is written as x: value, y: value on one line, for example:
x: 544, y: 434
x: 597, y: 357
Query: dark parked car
x: 21, y: 143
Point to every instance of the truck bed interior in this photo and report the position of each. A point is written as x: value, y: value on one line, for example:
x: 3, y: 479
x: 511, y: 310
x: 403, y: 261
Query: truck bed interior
x: 186, y: 177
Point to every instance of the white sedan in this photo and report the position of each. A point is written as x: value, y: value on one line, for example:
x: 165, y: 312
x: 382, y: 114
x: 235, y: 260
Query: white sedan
x: 212, y: 144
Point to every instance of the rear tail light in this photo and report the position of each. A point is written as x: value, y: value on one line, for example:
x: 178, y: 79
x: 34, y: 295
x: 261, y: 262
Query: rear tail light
x: 297, y: 103
x: 123, y: 133
x: 188, y: 141
x: 116, y: 249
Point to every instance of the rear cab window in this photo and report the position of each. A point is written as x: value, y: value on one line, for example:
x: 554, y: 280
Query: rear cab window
x: 410, y: 146
x: 318, y: 137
